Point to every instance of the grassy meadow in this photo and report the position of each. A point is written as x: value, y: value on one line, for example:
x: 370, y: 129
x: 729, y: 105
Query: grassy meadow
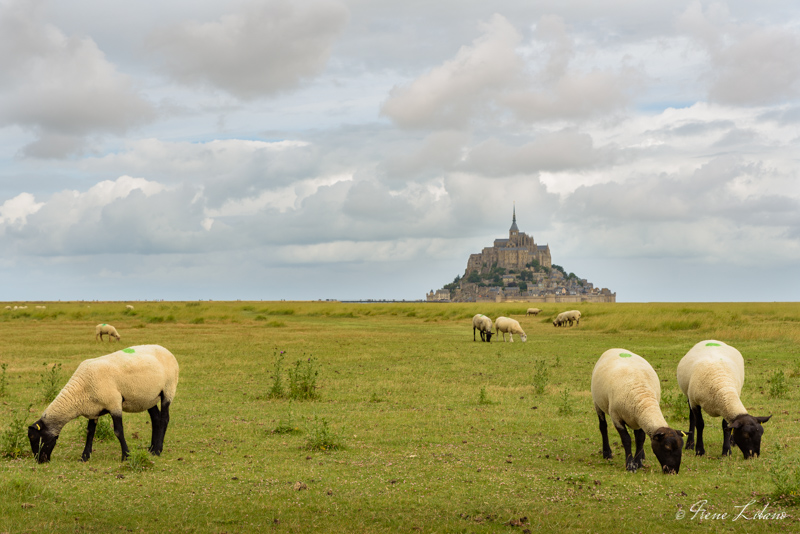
x: 412, y: 426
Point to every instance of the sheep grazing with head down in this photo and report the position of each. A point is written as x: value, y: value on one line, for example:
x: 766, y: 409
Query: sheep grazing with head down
x: 482, y: 324
x: 512, y: 326
x: 105, y: 329
x: 567, y: 317
x: 129, y: 380
x: 533, y: 311
x: 129, y: 307
x: 711, y: 375
x: 626, y: 387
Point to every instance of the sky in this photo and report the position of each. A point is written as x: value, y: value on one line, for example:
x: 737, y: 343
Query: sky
x: 362, y: 149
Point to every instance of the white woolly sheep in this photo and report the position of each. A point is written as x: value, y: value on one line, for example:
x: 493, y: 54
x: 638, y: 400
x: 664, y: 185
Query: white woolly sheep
x: 567, y: 317
x: 129, y: 380
x: 107, y: 329
x: 128, y: 307
x: 482, y: 324
x: 533, y: 311
x: 8, y: 307
x: 626, y: 387
x: 41, y: 307
x: 711, y: 375
x: 505, y: 324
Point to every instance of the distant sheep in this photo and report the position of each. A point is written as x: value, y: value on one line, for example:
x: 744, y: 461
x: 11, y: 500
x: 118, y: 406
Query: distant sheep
x: 129, y: 380
x: 129, y: 307
x: 482, y: 324
x: 41, y: 307
x: 567, y: 317
x: 102, y: 329
x: 625, y: 386
x: 711, y: 376
x: 512, y: 326
x: 533, y: 311
x: 8, y: 307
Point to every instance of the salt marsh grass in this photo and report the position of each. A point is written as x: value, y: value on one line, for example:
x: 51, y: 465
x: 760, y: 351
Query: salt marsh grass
x: 399, y: 385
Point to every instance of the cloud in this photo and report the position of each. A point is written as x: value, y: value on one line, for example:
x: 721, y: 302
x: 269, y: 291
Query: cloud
x: 263, y: 49
x: 60, y: 87
x: 16, y: 210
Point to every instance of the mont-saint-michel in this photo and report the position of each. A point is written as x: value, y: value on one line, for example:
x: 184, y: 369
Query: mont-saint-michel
x: 516, y: 269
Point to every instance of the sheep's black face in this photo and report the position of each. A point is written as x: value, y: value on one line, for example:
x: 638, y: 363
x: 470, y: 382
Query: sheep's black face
x: 747, y: 432
x: 667, y: 446
x: 489, y: 336
x: 42, y: 443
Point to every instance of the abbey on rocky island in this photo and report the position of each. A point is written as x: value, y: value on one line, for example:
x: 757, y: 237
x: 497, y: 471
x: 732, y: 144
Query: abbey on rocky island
x: 517, y: 269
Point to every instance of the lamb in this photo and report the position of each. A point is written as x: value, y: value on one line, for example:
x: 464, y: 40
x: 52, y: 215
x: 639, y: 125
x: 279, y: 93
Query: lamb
x: 625, y: 386
x: 104, y: 328
x: 504, y: 324
x: 129, y: 380
x: 711, y: 375
x: 128, y: 307
x: 533, y: 311
x: 484, y: 325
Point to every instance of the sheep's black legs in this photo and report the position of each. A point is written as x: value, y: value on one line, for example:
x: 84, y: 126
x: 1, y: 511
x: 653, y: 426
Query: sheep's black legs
x: 697, y: 412
x: 607, y: 454
x: 118, y: 431
x: 639, y: 435
x: 87, y: 450
x: 726, y: 438
x: 630, y: 464
x: 159, y: 423
x: 690, y: 437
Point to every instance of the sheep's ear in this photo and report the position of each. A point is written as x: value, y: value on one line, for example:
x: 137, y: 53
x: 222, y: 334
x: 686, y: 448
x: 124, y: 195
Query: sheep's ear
x: 763, y: 419
x: 658, y: 436
x: 736, y: 424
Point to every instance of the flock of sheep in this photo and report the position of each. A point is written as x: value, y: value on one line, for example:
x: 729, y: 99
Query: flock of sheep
x: 626, y: 388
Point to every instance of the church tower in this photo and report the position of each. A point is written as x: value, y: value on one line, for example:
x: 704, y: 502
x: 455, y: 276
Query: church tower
x: 513, y: 233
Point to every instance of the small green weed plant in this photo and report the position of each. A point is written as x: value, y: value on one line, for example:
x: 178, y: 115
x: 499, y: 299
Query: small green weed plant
x: 541, y: 376
x: 778, y: 388
x: 14, y: 439
x: 49, y: 381
x: 322, y: 438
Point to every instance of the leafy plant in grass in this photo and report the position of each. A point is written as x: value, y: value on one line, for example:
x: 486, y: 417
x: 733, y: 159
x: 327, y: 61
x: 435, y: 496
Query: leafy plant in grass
x: 3, y: 380
x: 287, y: 426
x: 303, y: 380
x: 483, y: 398
x: 785, y: 475
x: 104, y: 429
x: 139, y: 459
x: 277, y: 390
x: 376, y: 398
x: 541, y: 376
x: 675, y: 402
x: 14, y: 439
x: 50, y: 381
x: 777, y: 385
x: 322, y: 438
x: 565, y: 406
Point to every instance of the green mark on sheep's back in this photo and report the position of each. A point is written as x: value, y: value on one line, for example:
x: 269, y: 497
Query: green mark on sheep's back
x: 713, y: 345
x: 128, y: 351
x: 624, y: 355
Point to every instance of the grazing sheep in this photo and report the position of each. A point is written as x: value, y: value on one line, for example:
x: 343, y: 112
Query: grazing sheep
x: 129, y: 380
x: 102, y: 329
x: 482, y: 324
x: 711, y: 376
x: 41, y: 307
x: 504, y: 324
x: 567, y: 317
x: 559, y: 320
x: 533, y: 311
x: 8, y: 307
x: 128, y: 307
x: 625, y: 386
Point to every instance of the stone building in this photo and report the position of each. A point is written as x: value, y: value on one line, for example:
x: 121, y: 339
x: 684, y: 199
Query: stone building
x: 514, y: 253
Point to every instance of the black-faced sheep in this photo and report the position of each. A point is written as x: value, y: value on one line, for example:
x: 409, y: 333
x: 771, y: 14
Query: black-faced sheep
x: 129, y: 380
x: 105, y: 329
x: 626, y: 387
x: 711, y: 375
x: 482, y: 324
x: 512, y: 326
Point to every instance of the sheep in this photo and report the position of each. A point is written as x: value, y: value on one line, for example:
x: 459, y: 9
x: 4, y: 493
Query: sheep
x: 504, y: 324
x: 8, y: 307
x: 533, y: 311
x: 129, y: 380
x: 104, y: 328
x: 484, y: 325
x: 129, y: 307
x: 41, y: 307
x: 625, y: 386
x: 711, y: 376
x: 567, y: 317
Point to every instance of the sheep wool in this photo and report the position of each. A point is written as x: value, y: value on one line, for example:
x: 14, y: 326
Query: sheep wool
x: 711, y: 375
x: 533, y: 311
x: 134, y: 379
x: 512, y: 326
x: 626, y: 387
x: 105, y: 329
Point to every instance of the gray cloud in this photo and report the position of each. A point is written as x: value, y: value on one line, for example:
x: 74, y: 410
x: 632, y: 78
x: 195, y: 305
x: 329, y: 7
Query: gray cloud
x: 263, y: 49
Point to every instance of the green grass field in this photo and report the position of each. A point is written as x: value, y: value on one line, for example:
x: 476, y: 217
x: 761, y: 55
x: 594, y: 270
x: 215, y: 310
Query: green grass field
x: 438, y: 433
